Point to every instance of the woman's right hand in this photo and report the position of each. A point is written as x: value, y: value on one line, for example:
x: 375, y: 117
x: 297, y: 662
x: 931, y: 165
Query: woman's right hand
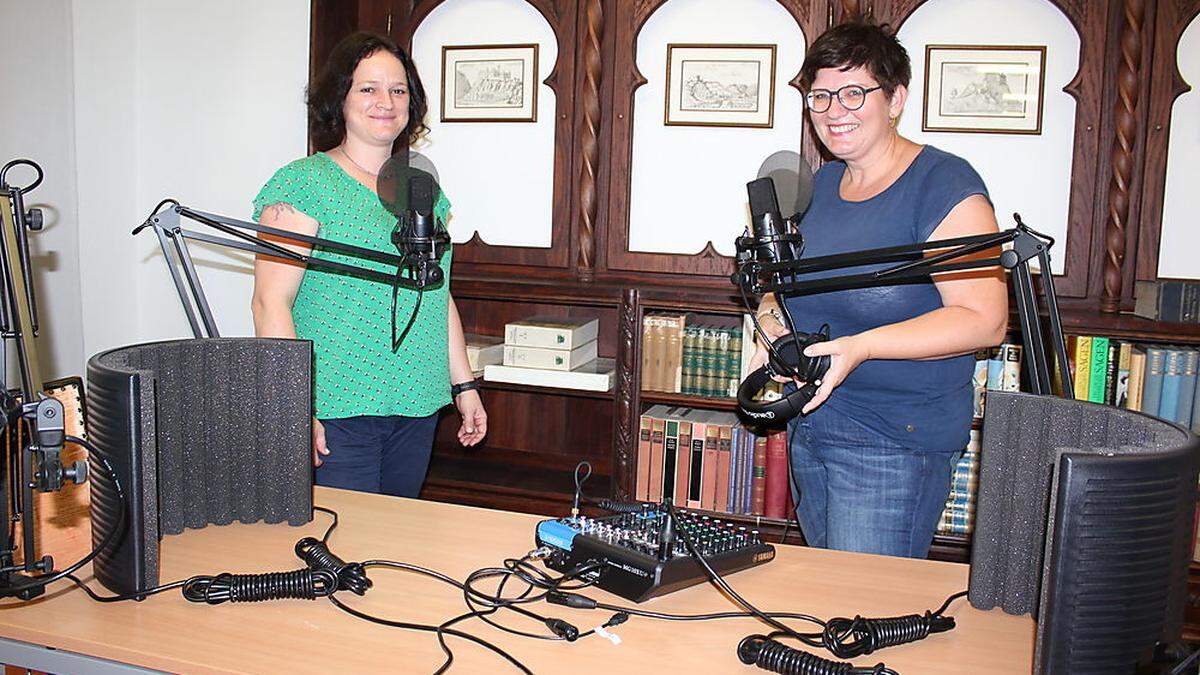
x: 318, y: 442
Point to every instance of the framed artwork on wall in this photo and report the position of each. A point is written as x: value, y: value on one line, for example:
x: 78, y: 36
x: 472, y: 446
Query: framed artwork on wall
x: 720, y: 85
x: 489, y: 83
x: 984, y: 89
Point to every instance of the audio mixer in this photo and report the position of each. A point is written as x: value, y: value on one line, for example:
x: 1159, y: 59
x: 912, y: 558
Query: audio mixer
x: 640, y: 555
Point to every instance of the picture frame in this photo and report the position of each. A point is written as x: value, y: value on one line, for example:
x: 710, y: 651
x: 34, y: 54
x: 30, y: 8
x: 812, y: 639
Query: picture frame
x: 489, y: 83
x: 720, y: 85
x: 991, y: 89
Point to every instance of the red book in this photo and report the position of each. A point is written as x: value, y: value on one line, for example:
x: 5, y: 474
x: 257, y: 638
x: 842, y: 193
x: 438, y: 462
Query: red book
x: 758, y: 480
x: 777, y: 494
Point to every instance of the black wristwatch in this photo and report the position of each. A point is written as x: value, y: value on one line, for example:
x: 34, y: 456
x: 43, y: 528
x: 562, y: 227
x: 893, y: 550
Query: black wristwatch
x: 456, y: 389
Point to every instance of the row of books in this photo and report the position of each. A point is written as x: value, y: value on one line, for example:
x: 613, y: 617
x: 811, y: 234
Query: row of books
x: 708, y: 460
x: 958, y: 517
x: 996, y: 368
x: 681, y: 356
x: 1155, y: 379
x: 1175, y: 300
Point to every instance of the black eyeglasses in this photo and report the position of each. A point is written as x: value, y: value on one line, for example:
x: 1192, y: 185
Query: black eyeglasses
x: 851, y: 96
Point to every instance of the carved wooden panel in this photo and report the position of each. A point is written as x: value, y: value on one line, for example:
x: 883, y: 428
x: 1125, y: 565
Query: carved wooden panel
x: 1166, y: 85
x: 631, y: 15
x: 475, y: 255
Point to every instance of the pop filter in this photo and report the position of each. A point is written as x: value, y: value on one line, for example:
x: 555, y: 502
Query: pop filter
x: 793, y: 180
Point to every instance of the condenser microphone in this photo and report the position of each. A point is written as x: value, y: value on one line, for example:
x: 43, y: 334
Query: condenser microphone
x: 417, y: 235
x: 773, y: 239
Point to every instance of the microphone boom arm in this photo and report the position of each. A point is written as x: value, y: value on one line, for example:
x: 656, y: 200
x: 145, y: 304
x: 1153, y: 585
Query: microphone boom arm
x: 758, y: 277
x: 172, y: 239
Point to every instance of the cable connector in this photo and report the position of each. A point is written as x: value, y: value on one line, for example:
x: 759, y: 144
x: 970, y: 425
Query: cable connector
x: 563, y: 629
x: 573, y: 600
x: 540, y: 553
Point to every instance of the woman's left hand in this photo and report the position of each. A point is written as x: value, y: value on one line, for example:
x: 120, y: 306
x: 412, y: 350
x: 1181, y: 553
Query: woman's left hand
x: 845, y: 353
x: 474, y: 417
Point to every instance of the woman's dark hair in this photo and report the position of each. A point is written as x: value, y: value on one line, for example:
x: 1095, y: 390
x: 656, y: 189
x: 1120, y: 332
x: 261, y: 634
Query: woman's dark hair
x: 327, y: 93
x: 857, y: 44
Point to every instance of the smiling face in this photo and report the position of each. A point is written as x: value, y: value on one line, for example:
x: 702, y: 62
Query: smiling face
x: 376, y: 107
x: 854, y: 134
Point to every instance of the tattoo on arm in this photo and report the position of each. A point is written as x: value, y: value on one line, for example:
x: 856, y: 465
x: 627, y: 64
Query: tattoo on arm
x: 277, y: 210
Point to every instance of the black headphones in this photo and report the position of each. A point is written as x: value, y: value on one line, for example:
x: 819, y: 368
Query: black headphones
x: 785, y: 357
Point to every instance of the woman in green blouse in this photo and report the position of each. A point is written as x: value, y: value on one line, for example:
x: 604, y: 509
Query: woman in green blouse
x: 376, y: 407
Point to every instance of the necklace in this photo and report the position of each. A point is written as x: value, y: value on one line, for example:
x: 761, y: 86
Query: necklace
x: 345, y: 154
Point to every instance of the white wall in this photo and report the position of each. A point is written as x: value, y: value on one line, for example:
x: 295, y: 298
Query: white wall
x: 688, y: 184
x: 35, y: 48
x: 499, y: 176
x: 1181, y: 203
x: 196, y: 101
x: 1029, y: 174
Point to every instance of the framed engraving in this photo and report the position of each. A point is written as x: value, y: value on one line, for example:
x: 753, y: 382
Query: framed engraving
x: 489, y: 83
x: 720, y: 85
x: 984, y: 89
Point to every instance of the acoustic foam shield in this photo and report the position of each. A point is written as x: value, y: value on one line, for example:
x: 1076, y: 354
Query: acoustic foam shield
x: 199, y: 432
x: 1083, y: 519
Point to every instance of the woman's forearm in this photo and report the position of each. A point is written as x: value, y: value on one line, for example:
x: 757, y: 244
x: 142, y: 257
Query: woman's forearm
x: 460, y: 366
x: 273, y: 320
x: 943, y: 332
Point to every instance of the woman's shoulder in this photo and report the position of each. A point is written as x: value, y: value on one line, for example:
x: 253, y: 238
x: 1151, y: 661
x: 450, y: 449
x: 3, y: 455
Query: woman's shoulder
x: 938, y: 161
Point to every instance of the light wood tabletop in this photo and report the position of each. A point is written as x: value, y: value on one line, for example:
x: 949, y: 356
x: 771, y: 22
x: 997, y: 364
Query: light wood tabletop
x: 166, y: 632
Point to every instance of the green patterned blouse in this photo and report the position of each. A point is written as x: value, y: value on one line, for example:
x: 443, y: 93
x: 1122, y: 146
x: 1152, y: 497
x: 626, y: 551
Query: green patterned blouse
x: 348, y: 319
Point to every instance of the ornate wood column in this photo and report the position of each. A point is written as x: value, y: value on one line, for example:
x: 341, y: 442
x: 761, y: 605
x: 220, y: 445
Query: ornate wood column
x: 1123, y: 158
x: 593, y: 28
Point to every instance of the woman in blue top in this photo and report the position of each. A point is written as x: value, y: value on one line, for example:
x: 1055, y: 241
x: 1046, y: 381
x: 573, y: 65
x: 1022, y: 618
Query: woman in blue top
x: 872, y: 456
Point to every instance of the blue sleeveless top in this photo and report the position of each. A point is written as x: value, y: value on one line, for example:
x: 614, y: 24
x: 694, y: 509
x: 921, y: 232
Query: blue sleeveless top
x: 925, y: 405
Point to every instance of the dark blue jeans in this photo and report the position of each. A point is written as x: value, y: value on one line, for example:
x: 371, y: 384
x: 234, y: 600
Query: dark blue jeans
x: 859, y: 491
x: 387, y: 455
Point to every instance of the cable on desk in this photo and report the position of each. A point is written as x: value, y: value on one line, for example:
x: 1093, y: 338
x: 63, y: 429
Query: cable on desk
x: 768, y: 654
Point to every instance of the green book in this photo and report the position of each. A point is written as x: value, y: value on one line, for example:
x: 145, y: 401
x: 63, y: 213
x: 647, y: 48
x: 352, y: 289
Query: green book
x: 1099, y: 366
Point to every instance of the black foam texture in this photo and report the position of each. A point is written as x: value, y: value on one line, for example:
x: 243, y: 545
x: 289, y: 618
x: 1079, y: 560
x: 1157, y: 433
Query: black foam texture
x: 1027, y: 440
x: 200, y: 432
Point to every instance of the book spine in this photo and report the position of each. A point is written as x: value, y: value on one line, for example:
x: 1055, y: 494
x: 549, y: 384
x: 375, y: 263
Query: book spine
x: 689, y: 360
x: 1187, y: 387
x: 758, y: 484
x: 1172, y: 373
x: 670, y: 454
x: 674, y: 358
x: 712, y: 444
x: 1124, y: 363
x: 1110, y: 371
x: 683, y: 463
x: 724, y: 463
x: 1099, y: 365
x: 735, y: 471
x: 1170, y: 300
x: 1153, y: 384
x: 1137, y: 378
x: 776, y: 495
x: 733, y: 365
x: 642, y: 484
x: 1012, y: 367
x: 696, y: 470
x: 979, y: 382
x: 657, y: 438
x: 1083, y: 366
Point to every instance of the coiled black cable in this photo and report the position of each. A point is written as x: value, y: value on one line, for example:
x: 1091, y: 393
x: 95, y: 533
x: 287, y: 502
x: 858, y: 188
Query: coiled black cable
x: 350, y: 576
x: 867, y: 635
x: 769, y: 654
x: 305, y: 584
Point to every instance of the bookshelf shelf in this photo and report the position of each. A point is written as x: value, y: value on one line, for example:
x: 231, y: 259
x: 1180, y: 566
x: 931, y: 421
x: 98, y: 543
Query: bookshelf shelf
x: 548, y: 391
x: 724, y: 404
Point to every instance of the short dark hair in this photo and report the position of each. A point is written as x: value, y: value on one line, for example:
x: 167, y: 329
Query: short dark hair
x: 856, y: 44
x: 327, y: 93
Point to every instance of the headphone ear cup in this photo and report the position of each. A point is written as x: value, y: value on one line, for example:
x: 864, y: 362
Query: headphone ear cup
x: 789, y: 350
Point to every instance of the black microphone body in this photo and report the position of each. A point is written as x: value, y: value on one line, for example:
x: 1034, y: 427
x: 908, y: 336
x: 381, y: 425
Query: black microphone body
x: 417, y: 237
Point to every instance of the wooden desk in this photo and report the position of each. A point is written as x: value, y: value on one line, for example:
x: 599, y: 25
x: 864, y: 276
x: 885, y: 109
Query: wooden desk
x: 166, y: 632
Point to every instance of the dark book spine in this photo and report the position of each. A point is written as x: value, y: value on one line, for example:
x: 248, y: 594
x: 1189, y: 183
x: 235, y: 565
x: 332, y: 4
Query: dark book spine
x: 1110, y: 372
x: 1170, y: 300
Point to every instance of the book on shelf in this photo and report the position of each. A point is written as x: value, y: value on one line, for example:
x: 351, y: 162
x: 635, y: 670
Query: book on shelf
x: 551, y: 359
x: 662, y: 352
x: 594, y: 376
x: 1189, y: 359
x: 1156, y: 357
x: 1012, y: 367
x: 483, y: 350
x: 1083, y: 366
x: 551, y: 332
x: 1098, y: 366
x: 1175, y: 300
x: 777, y: 488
